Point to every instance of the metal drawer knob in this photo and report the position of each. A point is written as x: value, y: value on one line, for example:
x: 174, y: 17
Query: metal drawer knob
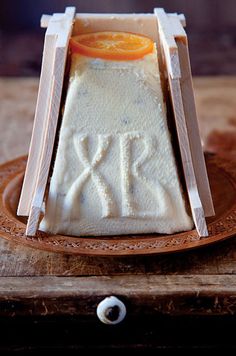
x: 111, y: 310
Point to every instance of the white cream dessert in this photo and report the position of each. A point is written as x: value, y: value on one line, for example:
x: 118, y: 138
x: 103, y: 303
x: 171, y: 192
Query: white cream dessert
x: 115, y: 172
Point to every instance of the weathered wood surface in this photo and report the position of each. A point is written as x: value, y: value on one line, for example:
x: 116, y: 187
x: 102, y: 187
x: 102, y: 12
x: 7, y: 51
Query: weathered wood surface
x: 21, y: 261
x: 215, y: 265
x: 146, y: 294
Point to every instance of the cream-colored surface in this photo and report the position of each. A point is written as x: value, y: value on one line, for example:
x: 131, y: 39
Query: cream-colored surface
x: 114, y: 171
x: 215, y: 100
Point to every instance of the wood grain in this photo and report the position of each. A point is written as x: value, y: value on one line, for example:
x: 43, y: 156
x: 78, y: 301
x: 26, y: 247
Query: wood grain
x: 101, y: 21
x: 192, y: 120
x: 168, y: 43
x: 174, y: 295
x: 39, y: 127
x: 170, y: 29
x: 37, y: 170
x: 190, y: 179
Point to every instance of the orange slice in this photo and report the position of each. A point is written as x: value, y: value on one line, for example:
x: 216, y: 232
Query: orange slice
x: 112, y: 45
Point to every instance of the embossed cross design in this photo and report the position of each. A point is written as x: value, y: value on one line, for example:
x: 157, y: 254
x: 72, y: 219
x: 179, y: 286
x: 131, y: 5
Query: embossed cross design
x: 103, y: 189
x: 130, y: 168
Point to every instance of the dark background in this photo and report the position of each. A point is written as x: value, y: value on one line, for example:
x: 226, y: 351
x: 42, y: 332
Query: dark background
x: 211, y: 27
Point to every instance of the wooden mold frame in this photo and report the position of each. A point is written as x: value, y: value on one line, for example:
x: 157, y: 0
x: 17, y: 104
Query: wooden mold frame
x: 165, y: 29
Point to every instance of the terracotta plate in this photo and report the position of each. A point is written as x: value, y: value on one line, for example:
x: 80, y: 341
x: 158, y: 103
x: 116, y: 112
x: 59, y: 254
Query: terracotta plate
x: 222, y: 175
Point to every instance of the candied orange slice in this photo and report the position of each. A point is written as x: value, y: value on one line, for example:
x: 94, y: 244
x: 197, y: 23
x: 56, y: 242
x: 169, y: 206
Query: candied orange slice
x: 111, y: 45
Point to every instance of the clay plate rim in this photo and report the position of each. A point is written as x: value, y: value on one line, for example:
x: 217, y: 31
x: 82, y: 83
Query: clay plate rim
x: 221, y: 227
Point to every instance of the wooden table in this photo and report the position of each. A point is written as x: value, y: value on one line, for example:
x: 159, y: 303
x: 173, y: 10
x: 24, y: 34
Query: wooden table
x: 49, y: 300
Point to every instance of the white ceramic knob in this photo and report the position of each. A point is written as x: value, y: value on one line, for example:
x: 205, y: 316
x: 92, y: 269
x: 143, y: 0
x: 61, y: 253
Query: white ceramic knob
x: 111, y: 310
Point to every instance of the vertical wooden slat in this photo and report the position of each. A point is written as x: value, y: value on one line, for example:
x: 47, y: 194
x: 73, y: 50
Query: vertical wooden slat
x: 38, y: 128
x: 171, y: 57
x: 59, y: 30
x: 186, y: 86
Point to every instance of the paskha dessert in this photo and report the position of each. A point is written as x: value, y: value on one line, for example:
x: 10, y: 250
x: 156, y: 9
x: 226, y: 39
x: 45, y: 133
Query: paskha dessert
x: 115, y: 170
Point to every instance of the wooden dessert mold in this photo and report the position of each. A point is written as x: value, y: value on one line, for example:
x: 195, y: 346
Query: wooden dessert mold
x: 167, y: 30
x: 222, y: 226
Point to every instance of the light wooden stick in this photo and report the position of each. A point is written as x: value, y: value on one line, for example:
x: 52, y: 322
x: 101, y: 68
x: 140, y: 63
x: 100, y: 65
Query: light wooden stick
x: 59, y: 28
x: 46, y: 18
x: 171, y: 57
x: 168, y: 43
x: 44, y: 21
x: 191, y: 117
x: 191, y: 184
x: 180, y: 17
x: 39, y: 127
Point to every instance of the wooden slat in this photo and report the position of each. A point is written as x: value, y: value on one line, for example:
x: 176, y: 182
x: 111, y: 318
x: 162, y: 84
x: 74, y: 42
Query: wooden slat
x: 44, y: 21
x: 50, y: 286
x: 94, y: 17
x: 170, y: 50
x: 209, y: 294
x: 191, y: 119
x: 181, y: 18
x: 190, y: 180
x: 38, y: 128
x: 40, y: 123
x: 168, y: 44
x: 177, y: 28
x: 60, y: 27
